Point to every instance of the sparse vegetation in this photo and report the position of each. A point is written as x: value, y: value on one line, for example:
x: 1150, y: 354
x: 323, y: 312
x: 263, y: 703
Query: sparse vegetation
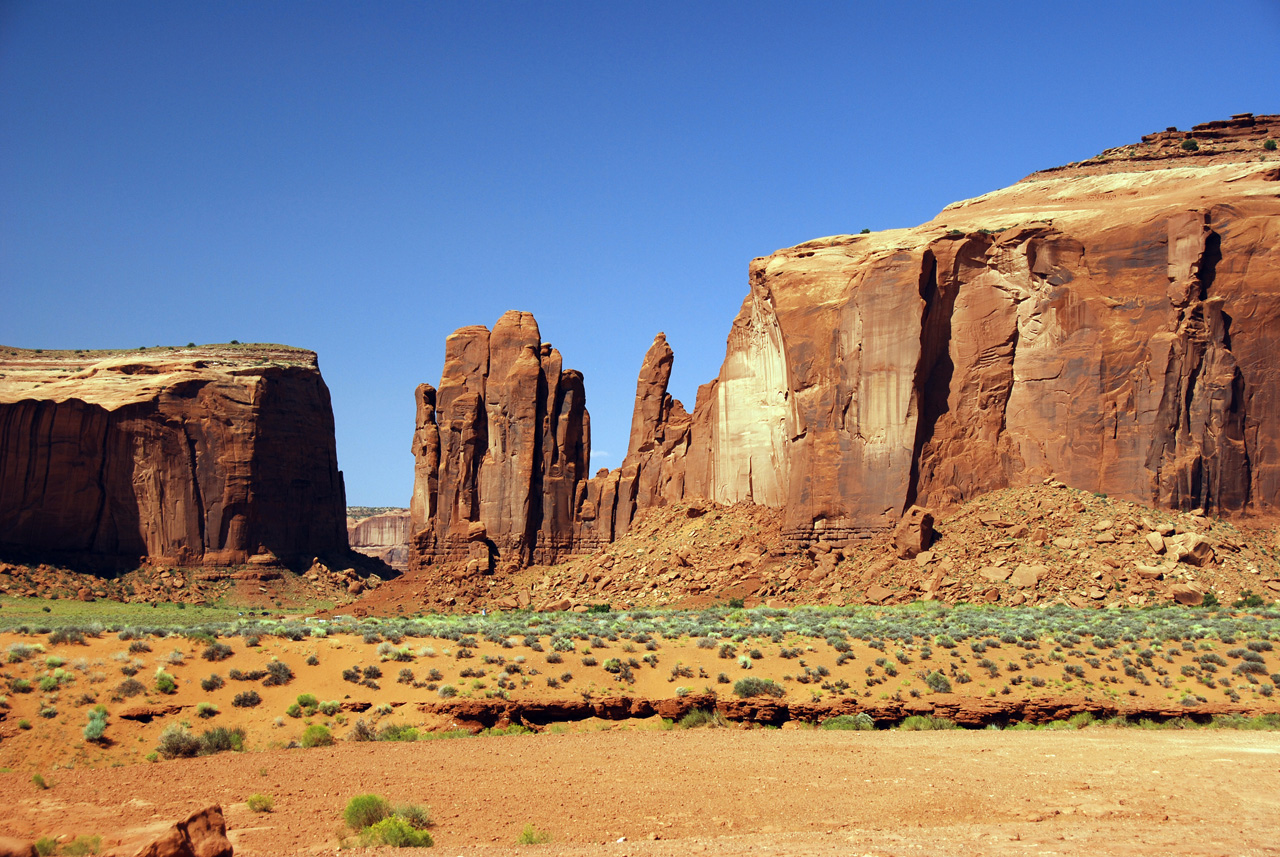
x: 260, y: 803
x: 531, y: 835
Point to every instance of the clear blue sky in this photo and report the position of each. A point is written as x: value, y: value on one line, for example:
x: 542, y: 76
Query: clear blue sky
x: 363, y: 178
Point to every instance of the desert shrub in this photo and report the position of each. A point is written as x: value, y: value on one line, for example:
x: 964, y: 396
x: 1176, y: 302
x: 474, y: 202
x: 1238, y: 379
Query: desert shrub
x: 308, y: 700
x: 213, y: 682
x: 532, y: 836
x: 278, y: 674
x: 165, y: 682
x: 925, y: 723
x: 176, y: 742
x: 138, y: 647
x: 317, y: 735
x: 312, y: 660
x: 589, y: 661
x: 216, y: 652
x: 745, y: 687
x: 365, y: 811
x: 1269, y: 145
x: 698, y: 717
x: 81, y: 846
x: 860, y: 722
x: 447, y: 690
x: 397, y: 732
x: 294, y: 710
x: 938, y: 682
x: 1190, y: 146
x: 395, y: 832
x: 222, y: 739
x: 362, y: 732
x: 97, y: 725
x: 330, y: 707
x: 130, y: 687
x: 247, y: 699
x: 206, y: 709
x: 260, y: 803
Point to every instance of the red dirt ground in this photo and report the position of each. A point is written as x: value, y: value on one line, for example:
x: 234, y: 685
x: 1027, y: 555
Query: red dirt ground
x: 714, y: 792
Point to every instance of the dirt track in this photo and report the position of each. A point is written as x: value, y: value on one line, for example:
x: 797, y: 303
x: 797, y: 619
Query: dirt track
x: 716, y: 792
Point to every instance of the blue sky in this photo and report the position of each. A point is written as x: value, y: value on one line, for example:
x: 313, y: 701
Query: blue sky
x: 363, y: 178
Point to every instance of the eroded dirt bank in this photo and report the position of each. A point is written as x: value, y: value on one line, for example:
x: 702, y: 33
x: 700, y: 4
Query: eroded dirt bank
x: 716, y: 792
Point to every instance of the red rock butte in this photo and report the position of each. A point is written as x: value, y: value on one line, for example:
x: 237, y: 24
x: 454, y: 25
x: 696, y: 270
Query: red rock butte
x: 1112, y: 324
x: 187, y: 456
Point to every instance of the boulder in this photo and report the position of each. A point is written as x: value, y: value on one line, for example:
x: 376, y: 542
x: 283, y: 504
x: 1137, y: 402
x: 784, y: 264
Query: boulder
x: 1026, y: 576
x: 203, y: 834
x: 1187, y: 593
x: 1191, y: 548
x: 914, y: 533
x: 1156, y: 541
x: 10, y: 847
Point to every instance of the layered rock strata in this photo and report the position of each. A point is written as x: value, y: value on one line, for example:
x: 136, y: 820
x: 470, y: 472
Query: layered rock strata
x: 500, y: 451
x: 1110, y: 324
x: 383, y: 536
x: 195, y: 456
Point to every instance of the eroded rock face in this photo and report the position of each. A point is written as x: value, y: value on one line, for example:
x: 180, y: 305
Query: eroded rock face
x: 187, y: 456
x: 384, y: 536
x: 500, y: 451
x: 1111, y: 326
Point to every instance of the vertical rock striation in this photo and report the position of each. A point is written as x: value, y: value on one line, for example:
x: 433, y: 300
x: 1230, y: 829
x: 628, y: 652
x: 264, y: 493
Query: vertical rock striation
x: 500, y: 456
x: 183, y: 456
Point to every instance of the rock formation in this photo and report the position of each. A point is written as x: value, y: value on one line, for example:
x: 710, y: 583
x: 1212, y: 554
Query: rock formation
x: 186, y: 456
x: 203, y: 834
x: 383, y: 536
x: 500, y: 451
x: 1110, y: 324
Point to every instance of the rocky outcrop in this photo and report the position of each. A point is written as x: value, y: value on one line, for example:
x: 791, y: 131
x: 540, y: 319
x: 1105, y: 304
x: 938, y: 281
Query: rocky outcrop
x: 500, y: 451
x: 383, y: 536
x: 184, y: 456
x: 1110, y: 325
x: 203, y: 834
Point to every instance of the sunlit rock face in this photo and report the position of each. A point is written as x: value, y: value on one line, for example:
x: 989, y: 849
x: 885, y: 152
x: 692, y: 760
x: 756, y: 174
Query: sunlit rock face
x: 500, y: 451
x: 186, y: 456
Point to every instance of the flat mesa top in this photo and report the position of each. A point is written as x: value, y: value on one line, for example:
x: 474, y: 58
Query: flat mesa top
x: 116, y: 378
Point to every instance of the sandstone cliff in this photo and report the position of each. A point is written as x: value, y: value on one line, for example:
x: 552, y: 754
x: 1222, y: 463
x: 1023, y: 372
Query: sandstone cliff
x: 500, y: 451
x: 186, y: 456
x: 383, y: 536
x: 1112, y: 324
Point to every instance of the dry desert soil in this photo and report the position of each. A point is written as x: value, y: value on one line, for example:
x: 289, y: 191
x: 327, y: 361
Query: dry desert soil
x: 601, y: 768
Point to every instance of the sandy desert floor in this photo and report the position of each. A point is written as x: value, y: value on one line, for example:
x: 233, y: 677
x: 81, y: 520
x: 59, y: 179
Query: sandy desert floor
x: 714, y: 792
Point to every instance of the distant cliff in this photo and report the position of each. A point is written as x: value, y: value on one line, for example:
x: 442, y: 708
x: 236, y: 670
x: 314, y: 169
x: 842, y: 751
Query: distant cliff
x: 185, y: 456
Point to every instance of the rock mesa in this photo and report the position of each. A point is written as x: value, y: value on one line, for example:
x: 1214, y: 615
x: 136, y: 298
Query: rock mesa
x: 185, y: 456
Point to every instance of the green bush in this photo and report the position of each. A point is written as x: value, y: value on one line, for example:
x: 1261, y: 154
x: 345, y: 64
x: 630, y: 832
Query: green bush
x: 745, y: 687
x: 698, y: 717
x: 165, y: 682
x: 176, y: 742
x: 317, y: 735
x: 330, y: 707
x: 1269, y: 145
x: 1190, y: 146
x: 365, y: 811
x: 397, y: 732
x: 81, y: 846
x: 97, y: 725
x: 925, y: 723
x: 222, y: 739
x: 532, y: 836
x: 260, y: 803
x: 206, y: 709
x: 938, y: 683
x: 308, y: 700
x: 395, y: 832
x: 860, y: 722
